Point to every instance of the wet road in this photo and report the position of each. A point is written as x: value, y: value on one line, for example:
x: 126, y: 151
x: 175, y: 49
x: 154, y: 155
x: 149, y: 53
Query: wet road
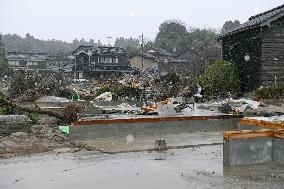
x: 199, y: 167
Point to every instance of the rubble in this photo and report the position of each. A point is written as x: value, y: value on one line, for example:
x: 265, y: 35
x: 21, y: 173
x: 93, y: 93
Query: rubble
x: 107, y: 96
x: 270, y: 119
x: 41, y: 138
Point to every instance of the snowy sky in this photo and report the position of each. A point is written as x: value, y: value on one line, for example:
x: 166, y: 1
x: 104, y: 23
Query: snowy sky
x: 97, y: 19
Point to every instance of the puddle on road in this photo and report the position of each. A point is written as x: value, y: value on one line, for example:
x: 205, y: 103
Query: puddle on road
x: 200, y: 167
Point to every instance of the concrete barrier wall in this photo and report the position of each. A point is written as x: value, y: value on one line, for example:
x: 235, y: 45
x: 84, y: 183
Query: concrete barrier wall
x: 278, y: 150
x: 247, y: 152
x: 122, y: 129
x: 253, y: 147
x: 9, y: 128
x: 14, y: 123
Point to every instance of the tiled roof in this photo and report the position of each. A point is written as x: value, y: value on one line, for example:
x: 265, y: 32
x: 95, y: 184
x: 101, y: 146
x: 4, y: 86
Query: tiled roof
x: 101, y: 50
x: 26, y: 56
x: 145, y: 55
x: 257, y: 21
x: 159, y: 51
x: 105, y: 50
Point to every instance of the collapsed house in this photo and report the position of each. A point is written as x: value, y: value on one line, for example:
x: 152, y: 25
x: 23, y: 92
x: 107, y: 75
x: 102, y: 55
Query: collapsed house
x: 257, y: 48
x: 194, y: 61
x: 60, y: 64
x: 100, y: 62
x: 154, y: 59
x: 143, y: 61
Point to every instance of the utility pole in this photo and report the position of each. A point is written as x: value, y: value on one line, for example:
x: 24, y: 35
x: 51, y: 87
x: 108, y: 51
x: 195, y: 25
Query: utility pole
x: 75, y: 74
x: 142, y: 50
x: 142, y: 63
x: 109, y: 37
x: 59, y: 68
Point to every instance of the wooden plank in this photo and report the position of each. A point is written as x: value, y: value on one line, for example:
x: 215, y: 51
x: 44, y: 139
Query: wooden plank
x: 259, y: 123
x: 247, y: 134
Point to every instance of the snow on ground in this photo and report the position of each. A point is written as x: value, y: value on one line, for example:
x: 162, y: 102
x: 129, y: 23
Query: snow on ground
x: 270, y: 119
x: 247, y: 102
x: 52, y: 99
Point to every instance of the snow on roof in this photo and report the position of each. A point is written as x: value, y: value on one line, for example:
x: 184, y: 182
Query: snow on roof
x: 258, y: 20
x: 26, y: 56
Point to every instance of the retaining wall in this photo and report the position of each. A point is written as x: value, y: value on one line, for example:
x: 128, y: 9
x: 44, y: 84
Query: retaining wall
x: 253, y: 147
x: 95, y: 129
x: 14, y: 123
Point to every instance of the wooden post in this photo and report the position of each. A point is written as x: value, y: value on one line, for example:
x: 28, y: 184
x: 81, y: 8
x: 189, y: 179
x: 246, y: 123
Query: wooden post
x: 160, y: 145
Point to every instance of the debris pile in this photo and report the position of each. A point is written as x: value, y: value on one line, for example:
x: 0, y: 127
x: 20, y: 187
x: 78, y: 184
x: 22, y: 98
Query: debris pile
x: 40, y: 139
x: 107, y: 96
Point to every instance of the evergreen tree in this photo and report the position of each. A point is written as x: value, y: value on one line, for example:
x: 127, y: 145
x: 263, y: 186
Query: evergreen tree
x: 4, y: 67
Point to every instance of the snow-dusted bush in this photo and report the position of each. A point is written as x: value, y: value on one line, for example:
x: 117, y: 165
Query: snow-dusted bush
x: 269, y: 92
x: 221, y: 79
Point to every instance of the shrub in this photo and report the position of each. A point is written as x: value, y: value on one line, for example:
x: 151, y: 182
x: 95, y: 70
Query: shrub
x: 120, y: 91
x: 33, y: 117
x: 4, y: 108
x: 169, y: 85
x: 269, y: 92
x: 71, y: 112
x: 31, y: 86
x: 220, y: 79
x: 103, y: 90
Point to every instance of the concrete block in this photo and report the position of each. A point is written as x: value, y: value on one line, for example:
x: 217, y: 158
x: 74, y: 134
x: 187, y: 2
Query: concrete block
x: 9, y: 128
x: 151, y: 128
x: 247, y: 151
x: 185, y: 125
x: 278, y: 151
x: 248, y: 127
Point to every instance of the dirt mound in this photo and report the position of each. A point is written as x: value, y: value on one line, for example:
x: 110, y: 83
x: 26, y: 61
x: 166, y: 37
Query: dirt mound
x: 42, y: 138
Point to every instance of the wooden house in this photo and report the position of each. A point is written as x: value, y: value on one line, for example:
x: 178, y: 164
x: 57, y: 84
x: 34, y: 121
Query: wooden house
x: 100, y: 62
x: 142, y: 61
x: 257, y: 47
x: 27, y: 61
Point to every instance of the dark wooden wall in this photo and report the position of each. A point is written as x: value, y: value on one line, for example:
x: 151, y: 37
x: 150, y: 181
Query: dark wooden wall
x: 273, y: 53
x: 236, y: 47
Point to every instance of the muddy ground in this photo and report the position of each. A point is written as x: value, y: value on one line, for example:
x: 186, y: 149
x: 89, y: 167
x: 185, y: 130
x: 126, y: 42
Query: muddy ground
x: 41, y: 138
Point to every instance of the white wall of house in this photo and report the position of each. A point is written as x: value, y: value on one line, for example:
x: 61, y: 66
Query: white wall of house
x: 32, y: 63
x: 13, y: 63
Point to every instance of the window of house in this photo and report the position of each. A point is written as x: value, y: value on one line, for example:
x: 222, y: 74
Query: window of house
x: 106, y: 60
x: 32, y: 64
x: 13, y: 63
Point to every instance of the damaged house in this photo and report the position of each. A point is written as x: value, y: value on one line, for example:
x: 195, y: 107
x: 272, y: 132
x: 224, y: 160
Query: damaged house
x: 154, y: 59
x: 257, y: 47
x: 27, y: 61
x: 100, y: 62
x: 143, y: 61
x: 195, y: 61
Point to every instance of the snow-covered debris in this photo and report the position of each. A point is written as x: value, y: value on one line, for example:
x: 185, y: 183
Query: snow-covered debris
x: 166, y: 109
x: 107, y: 96
x: 269, y: 119
x: 52, y: 99
x: 240, y: 105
